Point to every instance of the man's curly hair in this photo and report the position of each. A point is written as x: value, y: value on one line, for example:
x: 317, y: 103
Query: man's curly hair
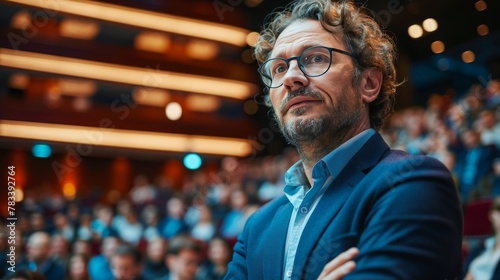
x: 361, y: 33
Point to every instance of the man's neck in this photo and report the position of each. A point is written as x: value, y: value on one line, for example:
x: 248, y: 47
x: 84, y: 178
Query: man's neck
x: 314, y: 151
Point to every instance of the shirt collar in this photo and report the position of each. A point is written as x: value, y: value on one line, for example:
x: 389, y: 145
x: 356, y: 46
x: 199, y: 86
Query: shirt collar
x: 296, y: 183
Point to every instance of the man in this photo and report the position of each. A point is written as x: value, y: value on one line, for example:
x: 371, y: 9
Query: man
x: 38, y: 257
x: 126, y: 263
x: 331, y: 79
x: 99, y: 266
x: 183, y: 258
x: 154, y: 266
x: 475, y: 162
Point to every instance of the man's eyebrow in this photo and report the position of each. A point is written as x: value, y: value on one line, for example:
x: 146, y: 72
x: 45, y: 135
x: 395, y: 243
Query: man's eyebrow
x: 301, y: 49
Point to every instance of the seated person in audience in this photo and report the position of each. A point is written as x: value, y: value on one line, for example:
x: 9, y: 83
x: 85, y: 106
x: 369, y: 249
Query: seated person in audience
x: 235, y: 219
x: 473, y: 164
x: 204, y: 228
x: 82, y: 247
x: 77, y: 267
x: 126, y: 263
x: 173, y: 224
x: 130, y: 230
x: 219, y: 255
x: 485, y: 260
x: 59, y: 249
x: 99, y: 266
x: 101, y: 225
x: 182, y: 259
x: 154, y: 266
x: 38, y: 257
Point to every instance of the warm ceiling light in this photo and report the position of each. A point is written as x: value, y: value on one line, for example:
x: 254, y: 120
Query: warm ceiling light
x: 74, y: 87
x: 151, y: 96
x: 481, y: 5
x: 142, y: 140
x: 173, y: 111
x: 21, y: 20
x: 252, y: 38
x: 19, y: 194
x: 81, y: 104
x: 437, y: 47
x: 468, y: 56
x: 152, y: 41
x: 202, y: 103
x: 145, y: 19
x: 69, y: 191
x: 201, y: 49
x: 79, y: 29
x: 247, y: 56
x: 125, y: 74
x: 19, y: 81
x: 483, y: 30
x: 415, y: 31
x: 430, y: 25
x: 250, y: 107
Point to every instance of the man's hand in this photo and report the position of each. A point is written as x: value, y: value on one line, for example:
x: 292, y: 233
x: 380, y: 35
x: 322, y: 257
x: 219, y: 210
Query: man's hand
x: 340, y: 266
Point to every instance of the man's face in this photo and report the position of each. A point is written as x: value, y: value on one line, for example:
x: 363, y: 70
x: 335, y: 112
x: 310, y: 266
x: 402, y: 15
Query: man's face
x: 125, y: 267
x: 184, y: 265
x: 39, y: 249
x: 308, y: 107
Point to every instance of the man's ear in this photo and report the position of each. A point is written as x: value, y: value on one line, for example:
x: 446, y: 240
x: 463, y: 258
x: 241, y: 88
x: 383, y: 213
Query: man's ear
x: 371, y: 83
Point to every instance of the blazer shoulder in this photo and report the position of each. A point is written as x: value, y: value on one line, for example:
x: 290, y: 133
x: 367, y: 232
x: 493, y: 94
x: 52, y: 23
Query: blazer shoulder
x: 397, y: 159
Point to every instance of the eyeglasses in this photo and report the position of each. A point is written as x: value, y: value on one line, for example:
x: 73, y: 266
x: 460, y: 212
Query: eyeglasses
x: 313, y: 62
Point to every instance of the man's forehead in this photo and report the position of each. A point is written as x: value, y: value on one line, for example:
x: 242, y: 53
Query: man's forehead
x: 302, y: 34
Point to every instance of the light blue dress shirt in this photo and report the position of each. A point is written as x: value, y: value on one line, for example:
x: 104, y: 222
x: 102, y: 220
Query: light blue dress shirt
x: 304, y: 198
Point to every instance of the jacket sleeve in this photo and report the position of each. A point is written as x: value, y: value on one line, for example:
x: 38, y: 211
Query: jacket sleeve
x: 413, y: 229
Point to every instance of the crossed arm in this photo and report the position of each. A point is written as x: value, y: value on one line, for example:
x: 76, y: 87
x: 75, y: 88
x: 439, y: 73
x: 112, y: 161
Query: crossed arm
x: 340, y: 266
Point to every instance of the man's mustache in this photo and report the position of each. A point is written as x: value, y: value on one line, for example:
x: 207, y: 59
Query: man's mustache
x: 300, y: 92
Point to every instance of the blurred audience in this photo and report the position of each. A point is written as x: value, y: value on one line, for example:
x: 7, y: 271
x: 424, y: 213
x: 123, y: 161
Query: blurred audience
x: 154, y: 265
x: 183, y: 258
x: 173, y: 223
x: 38, y: 257
x: 219, y: 255
x: 485, y: 260
x: 99, y: 266
x: 126, y: 263
x: 77, y: 267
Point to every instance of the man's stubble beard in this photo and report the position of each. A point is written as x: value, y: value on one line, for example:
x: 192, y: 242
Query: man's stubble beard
x: 324, y: 132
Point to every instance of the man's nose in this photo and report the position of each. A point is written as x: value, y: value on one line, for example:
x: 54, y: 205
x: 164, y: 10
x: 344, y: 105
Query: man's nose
x: 294, y: 78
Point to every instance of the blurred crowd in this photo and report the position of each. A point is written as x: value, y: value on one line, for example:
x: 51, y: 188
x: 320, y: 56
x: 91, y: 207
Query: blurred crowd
x: 157, y: 231
x: 464, y: 134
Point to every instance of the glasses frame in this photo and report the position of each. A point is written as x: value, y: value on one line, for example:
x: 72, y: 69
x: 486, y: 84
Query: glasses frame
x: 298, y: 57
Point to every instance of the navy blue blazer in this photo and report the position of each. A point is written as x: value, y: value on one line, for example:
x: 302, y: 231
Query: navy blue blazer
x: 401, y: 211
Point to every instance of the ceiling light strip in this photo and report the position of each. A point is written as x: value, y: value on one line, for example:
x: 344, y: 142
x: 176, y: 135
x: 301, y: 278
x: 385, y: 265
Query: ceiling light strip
x: 132, y: 139
x: 145, y: 19
x: 146, y: 77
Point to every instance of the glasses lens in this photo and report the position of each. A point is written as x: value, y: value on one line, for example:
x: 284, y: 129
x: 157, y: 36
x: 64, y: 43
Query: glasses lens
x: 273, y: 71
x: 315, y: 61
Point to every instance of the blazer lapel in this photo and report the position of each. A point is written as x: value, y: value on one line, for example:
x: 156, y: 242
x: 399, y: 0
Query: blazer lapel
x: 275, y: 242
x: 334, y: 197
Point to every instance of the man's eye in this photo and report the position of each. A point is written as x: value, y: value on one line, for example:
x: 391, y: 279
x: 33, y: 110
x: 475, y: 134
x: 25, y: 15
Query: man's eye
x: 319, y: 58
x: 278, y: 69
